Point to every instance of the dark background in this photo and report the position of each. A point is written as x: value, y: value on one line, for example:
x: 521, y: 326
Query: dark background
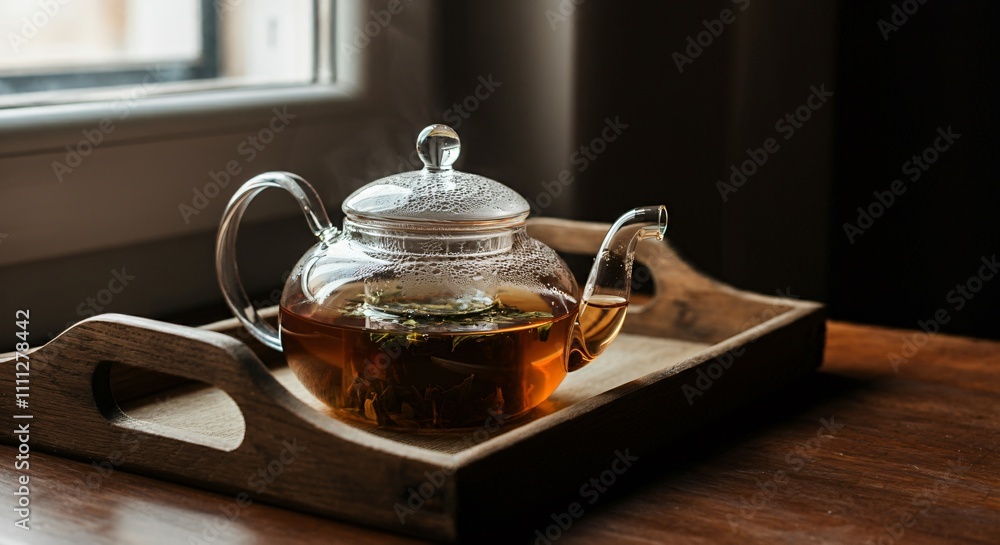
x: 784, y: 229
x: 936, y: 71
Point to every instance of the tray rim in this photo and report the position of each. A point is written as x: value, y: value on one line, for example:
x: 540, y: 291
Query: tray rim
x: 798, y: 320
x: 543, y: 424
x: 797, y: 310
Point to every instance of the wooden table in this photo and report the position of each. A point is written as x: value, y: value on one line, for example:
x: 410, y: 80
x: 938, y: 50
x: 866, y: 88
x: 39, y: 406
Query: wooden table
x: 858, y: 453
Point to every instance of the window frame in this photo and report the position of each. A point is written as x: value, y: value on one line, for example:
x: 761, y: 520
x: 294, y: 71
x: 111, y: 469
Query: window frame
x: 203, y: 104
x: 206, y: 66
x: 340, y: 105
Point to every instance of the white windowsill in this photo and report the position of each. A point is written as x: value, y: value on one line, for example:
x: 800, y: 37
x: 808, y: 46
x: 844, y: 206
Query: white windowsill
x: 35, y: 129
x: 127, y: 191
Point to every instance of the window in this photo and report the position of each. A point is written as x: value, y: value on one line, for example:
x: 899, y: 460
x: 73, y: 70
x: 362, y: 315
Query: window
x: 355, y: 74
x: 68, y: 51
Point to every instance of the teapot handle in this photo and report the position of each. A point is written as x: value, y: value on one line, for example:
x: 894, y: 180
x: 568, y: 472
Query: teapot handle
x: 225, y: 249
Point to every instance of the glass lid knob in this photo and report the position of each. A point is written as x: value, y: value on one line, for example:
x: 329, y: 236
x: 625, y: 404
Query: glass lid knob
x: 437, y: 193
x: 438, y: 147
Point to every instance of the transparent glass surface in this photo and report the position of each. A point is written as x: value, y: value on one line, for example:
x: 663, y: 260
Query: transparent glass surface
x: 437, y: 193
x: 430, y: 323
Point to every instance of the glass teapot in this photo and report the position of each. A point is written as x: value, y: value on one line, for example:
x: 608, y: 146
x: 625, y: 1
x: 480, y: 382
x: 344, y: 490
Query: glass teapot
x: 432, y: 307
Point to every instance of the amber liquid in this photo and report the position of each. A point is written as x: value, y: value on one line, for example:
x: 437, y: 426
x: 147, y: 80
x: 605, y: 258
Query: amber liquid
x: 422, y: 373
x: 600, y: 319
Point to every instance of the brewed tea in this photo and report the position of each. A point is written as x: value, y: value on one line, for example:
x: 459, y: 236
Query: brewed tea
x: 430, y: 371
x: 433, y: 306
x: 601, y: 318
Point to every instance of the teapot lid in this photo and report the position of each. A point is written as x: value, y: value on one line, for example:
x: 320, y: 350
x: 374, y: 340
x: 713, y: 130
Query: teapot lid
x: 437, y: 193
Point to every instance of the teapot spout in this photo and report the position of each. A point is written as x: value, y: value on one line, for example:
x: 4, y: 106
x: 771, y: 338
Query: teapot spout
x: 606, y: 295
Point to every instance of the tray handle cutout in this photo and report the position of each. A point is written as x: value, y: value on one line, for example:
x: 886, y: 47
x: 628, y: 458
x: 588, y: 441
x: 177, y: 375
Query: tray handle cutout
x: 223, y: 428
x: 79, y: 402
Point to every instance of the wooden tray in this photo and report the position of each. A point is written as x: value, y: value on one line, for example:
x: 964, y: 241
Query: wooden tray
x: 117, y: 389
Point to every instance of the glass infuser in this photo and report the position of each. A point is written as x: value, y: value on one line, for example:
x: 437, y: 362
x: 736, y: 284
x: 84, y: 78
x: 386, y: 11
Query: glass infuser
x: 432, y: 307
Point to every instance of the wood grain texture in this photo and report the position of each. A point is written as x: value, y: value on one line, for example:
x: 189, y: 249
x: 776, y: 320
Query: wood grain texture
x: 77, y: 417
x: 900, y: 432
x: 73, y: 502
x: 640, y: 395
x: 918, y: 448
